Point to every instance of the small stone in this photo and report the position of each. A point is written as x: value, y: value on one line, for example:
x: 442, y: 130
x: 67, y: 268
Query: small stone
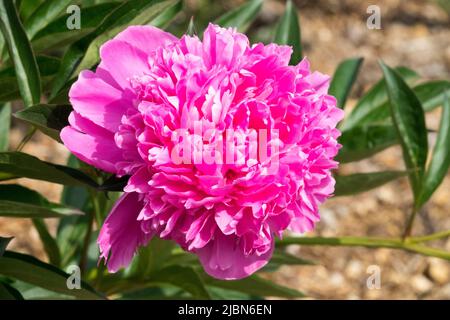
x: 421, y: 284
x: 438, y: 271
x: 336, y: 279
x: 354, y: 269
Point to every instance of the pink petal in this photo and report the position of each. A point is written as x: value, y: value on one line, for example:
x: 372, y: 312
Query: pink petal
x: 121, y: 234
x: 98, y: 101
x: 223, y: 258
x: 146, y: 38
x: 99, y: 151
x: 123, y: 61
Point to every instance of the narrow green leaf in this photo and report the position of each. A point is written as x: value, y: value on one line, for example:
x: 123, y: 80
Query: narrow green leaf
x: 56, y: 34
x: 21, y: 53
x: 48, y: 118
x: 362, y: 142
x: 3, y: 244
x: 343, y: 79
x: 191, y: 29
x: 72, y: 230
x: 27, y: 8
x: 50, y: 245
x: 440, y: 161
x: 5, y: 121
x: 242, y: 16
x: 164, y: 18
x: 28, y: 269
x: 409, y: 120
x: 48, y: 66
x: 84, y: 53
x: 7, y: 292
x: 361, y: 182
x: 31, y: 292
x: 151, y: 258
x: 255, y: 285
x: 43, y: 15
x: 281, y: 257
x: 20, y: 202
x: 20, y: 164
x: 288, y: 32
x: 430, y: 94
x: 185, y: 278
x: 373, y: 99
x: 70, y: 237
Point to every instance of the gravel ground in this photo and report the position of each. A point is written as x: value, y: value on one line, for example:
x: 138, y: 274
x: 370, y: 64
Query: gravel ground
x: 415, y: 34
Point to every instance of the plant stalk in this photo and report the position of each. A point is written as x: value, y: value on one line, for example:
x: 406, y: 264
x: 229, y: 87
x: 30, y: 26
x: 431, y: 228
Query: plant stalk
x: 408, y: 244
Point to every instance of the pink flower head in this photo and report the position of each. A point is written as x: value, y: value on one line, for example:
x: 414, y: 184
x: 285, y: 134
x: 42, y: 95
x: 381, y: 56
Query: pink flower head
x: 151, y: 91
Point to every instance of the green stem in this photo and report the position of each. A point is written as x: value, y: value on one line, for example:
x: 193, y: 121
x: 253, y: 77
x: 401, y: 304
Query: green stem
x: 86, y: 243
x: 431, y: 237
x: 406, y: 245
x: 27, y: 138
x: 97, y: 210
x: 93, y: 216
x: 409, y: 224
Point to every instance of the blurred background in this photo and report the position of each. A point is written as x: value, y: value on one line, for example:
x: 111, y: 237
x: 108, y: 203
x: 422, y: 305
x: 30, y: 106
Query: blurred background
x: 414, y: 33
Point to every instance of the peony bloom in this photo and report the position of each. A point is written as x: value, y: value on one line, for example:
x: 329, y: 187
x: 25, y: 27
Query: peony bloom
x: 225, y: 144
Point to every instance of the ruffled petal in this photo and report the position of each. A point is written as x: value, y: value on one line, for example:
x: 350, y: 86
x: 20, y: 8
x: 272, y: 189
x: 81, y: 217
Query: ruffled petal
x: 223, y: 258
x: 121, y: 234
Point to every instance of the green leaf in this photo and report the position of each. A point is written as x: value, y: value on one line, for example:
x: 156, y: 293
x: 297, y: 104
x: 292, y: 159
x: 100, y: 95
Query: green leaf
x: 288, y: 32
x: 5, y: 121
x: 56, y: 34
x: 362, y: 142
x: 255, y: 285
x: 430, y: 94
x: 27, y: 8
x: 21, y: 53
x: 43, y: 15
x: 409, y: 120
x: 70, y: 237
x: 50, y: 245
x: 191, y: 29
x: 361, y: 182
x: 185, y: 278
x: 3, y: 244
x: 20, y: 164
x: 7, y: 292
x: 373, y: 99
x: 343, y: 79
x: 151, y: 258
x: 440, y: 161
x: 72, y: 230
x: 281, y: 257
x: 20, y: 202
x: 165, y: 17
x: 84, y: 53
x: 28, y: 269
x: 48, y: 118
x: 31, y: 292
x: 241, y: 17
x: 48, y: 66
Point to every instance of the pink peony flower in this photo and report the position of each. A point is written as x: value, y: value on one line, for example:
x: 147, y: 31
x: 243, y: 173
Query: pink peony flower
x: 153, y: 94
